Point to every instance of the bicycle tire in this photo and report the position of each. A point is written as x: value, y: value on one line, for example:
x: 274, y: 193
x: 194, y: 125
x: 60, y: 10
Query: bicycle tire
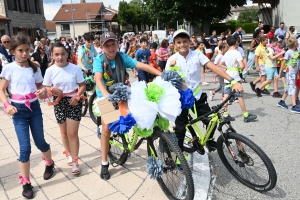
x: 84, y: 105
x: 117, y: 155
x: 171, y: 168
x: 91, y: 103
x: 245, y: 162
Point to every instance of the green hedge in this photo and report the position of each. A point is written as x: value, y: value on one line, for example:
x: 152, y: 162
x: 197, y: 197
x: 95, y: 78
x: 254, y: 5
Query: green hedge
x: 247, y: 27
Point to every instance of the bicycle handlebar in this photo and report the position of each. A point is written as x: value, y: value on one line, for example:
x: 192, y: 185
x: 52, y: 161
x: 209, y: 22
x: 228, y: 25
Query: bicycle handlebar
x: 216, y: 109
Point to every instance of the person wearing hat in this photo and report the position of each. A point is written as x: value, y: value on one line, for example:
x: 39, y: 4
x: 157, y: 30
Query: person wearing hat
x: 109, y: 68
x: 189, y: 63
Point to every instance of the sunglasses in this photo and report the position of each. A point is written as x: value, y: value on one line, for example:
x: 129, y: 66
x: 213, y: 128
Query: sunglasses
x: 6, y: 42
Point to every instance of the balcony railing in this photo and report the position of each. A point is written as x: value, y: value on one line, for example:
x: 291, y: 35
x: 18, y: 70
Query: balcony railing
x: 65, y: 32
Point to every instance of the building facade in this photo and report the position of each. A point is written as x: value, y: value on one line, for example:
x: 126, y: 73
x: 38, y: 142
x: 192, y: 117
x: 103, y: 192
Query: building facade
x: 26, y: 16
x: 75, y: 19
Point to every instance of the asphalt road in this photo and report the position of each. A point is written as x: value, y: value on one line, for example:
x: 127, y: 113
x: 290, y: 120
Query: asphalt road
x: 276, y: 131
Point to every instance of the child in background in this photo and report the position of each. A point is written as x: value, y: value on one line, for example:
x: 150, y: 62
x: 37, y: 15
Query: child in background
x: 162, y: 54
x: 143, y: 55
x: 223, y: 48
x: 233, y: 61
x: 201, y: 48
x: 291, y: 59
x: 24, y: 81
x: 153, y: 60
x: 271, y: 70
x: 280, y: 58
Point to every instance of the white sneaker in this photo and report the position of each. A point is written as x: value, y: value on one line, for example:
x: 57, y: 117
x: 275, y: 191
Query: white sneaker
x: 211, y: 96
x: 205, y: 83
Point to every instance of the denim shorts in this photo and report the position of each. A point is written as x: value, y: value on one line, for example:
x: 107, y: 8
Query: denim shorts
x: 271, y: 73
x: 25, y: 119
x: 227, y: 90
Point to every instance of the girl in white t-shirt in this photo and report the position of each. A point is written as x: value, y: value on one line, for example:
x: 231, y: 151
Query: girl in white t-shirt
x: 24, y: 81
x: 65, y: 81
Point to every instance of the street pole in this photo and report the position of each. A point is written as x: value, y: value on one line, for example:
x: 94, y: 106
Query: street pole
x: 73, y: 19
x: 157, y: 25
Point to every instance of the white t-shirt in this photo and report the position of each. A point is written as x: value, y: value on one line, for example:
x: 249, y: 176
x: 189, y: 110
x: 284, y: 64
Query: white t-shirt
x: 21, y: 81
x: 218, y: 59
x: 191, y: 67
x: 241, y: 50
x: 65, y: 78
x: 231, y: 59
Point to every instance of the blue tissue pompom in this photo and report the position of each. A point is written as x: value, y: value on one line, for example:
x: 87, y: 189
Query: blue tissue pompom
x: 123, y: 125
x: 154, y: 167
x: 187, y: 99
x: 119, y: 92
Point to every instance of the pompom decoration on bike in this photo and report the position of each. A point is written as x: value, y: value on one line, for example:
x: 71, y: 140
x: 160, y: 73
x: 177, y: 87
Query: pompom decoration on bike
x: 120, y: 92
x: 173, y: 77
x: 160, y: 97
x: 123, y: 125
x: 154, y: 167
x: 187, y: 99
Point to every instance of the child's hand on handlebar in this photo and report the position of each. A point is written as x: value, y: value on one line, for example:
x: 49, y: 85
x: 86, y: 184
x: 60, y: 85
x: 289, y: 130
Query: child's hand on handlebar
x: 238, y: 87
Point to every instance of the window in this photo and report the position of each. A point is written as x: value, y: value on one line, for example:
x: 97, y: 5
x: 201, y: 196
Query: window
x: 36, y: 7
x: 25, y: 4
x: 12, y: 5
x: 65, y: 28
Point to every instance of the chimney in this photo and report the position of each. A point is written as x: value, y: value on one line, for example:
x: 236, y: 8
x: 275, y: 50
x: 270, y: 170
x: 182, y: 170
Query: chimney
x: 82, y: 1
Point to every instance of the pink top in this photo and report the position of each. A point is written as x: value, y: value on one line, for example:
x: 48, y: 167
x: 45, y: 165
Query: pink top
x: 163, y: 51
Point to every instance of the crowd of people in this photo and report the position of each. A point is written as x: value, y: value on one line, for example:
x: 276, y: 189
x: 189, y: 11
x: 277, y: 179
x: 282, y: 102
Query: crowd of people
x: 57, y: 70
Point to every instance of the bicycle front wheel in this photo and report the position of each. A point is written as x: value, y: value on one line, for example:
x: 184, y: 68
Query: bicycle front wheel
x: 118, y: 149
x: 92, y: 101
x: 176, y: 181
x: 84, y: 105
x: 247, y: 162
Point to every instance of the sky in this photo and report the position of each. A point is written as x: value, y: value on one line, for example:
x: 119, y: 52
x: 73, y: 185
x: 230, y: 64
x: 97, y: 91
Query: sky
x: 51, y: 6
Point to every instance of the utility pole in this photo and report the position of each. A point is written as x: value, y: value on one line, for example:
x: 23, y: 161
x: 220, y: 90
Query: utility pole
x: 73, y: 19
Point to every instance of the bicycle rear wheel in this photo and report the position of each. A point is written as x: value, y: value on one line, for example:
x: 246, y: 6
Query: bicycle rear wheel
x: 118, y: 152
x: 249, y: 165
x: 84, y: 105
x: 175, y: 183
x: 92, y: 101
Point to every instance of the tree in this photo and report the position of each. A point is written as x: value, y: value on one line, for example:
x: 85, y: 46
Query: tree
x: 123, y: 14
x: 130, y: 13
x: 200, y: 11
x: 249, y: 15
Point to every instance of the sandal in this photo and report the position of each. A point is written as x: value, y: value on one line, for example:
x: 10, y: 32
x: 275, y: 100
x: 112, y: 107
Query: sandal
x: 69, y: 157
x: 75, y: 168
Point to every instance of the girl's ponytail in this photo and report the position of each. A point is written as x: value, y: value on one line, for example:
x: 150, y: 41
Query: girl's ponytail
x: 32, y: 65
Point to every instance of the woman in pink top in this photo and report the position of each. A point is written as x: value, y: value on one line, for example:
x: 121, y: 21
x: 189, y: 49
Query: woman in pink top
x: 163, y: 54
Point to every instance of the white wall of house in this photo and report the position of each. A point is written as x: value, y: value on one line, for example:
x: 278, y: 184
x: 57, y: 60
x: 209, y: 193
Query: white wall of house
x: 80, y: 28
x: 287, y: 11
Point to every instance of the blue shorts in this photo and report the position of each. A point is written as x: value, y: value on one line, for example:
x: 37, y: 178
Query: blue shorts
x: 271, y: 73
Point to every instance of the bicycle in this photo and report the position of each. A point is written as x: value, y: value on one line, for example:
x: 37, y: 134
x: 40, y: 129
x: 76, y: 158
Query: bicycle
x: 175, y: 184
x: 237, y: 159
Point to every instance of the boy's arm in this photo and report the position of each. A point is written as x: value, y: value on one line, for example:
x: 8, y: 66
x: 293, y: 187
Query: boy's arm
x: 100, y: 85
x: 241, y: 63
x: 148, y: 68
x: 281, y: 69
x: 271, y: 56
x: 223, y: 65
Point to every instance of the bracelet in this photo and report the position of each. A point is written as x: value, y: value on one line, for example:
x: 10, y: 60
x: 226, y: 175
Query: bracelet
x: 78, y: 97
x: 6, y: 104
x: 231, y: 79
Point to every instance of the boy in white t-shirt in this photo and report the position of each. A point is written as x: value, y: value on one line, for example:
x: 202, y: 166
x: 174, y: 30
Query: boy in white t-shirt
x: 189, y: 63
x: 223, y: 49
x: 233, y: 61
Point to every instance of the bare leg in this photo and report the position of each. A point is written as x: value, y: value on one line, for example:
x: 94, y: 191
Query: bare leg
x: 64, y: 136
x: 72, y: 135
x: 104, y: 141
x: 242, y: 104
x: 24, y: 168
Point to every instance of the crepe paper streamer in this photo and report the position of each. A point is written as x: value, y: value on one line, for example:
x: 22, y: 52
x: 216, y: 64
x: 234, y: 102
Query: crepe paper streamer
x: 162, y: 123
x: 120, y: 92
x: 122, y: 108
x: 154, y: 167
x: 172, y: 77
x: 187, y: 99
x: 143, y: 132
x: 177, y: 69
x: 154, y: 92
x: 123, y: 125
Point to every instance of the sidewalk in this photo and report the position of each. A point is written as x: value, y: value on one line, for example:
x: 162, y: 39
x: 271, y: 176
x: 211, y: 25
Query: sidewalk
x: 127, y: 182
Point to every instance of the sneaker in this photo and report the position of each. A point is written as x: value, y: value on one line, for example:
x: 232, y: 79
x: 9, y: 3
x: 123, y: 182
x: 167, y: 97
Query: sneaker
x: 27, y: 191
x: 211, y: 95
x: 205, y: 83
x: 236, y: 99
x: 49, y: 171
x: 250, y: 118
x: 282, y: 104
x: 252, y: 85
x: 277, y: 95
x: 295, y: 109
x: 228, y: 118
x: 264, y: 91
x: 257, y: 91
x: 211, y: 145
x: 104, y: 174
